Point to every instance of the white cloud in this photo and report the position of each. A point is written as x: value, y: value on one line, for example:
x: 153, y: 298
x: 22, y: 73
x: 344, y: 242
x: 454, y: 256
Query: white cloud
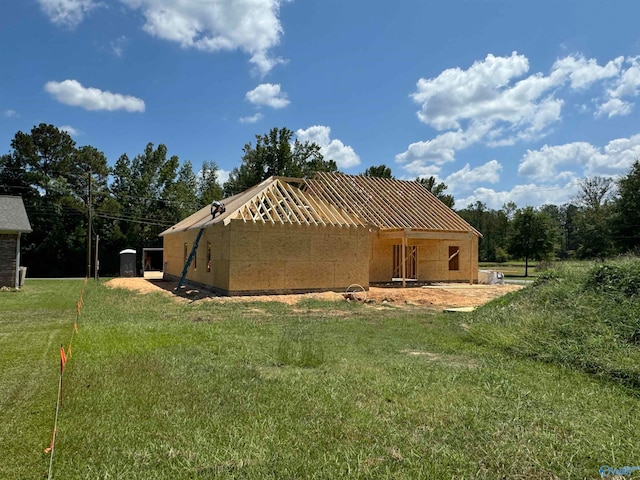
x: 626, y: 85
x: 557, y: 170
x: 487, y: 173
x: 72, y: 92
x: 629, y: 81
x: 546, y: 164
x: 268, y: 94
x: 70, y: 130
x: 10, y: 113
x: 223, y: 176
x: 580, y: 159
x: 582, y: 72
x: 617, y: 158
x: 252, y: 26
x: 457, y: 95
x: 67, y: 12
x: 494, y: 103
x: 614, y: 107
x: 343, y: 155
x: 117, y: 46
x: 522, y: 195
x: 252, y: 119
x: 424, y: 171
x: 441, y: 149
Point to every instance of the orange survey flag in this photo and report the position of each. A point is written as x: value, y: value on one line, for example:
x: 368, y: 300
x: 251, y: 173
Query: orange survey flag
x: 53, y: 439
x: 63, y: 358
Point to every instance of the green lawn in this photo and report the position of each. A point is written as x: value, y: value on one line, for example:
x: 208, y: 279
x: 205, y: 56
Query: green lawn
x: 512, y: 268
x: 163, y: 390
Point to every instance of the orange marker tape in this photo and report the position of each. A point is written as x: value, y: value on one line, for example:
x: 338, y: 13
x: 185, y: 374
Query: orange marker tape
x: 63, y: 358
x: 53, y: 439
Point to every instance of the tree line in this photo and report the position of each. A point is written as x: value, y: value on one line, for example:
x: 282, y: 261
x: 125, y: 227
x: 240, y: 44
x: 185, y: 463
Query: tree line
x: 603, y: 220
x: 64, y: 186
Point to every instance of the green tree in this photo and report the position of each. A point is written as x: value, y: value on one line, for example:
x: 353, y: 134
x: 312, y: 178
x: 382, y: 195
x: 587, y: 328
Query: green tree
x: 532, y: 236
x: 493, y: 224
x: 181, y: 195
x: 209, y: 188
x: 52, y: 175
x: 15, y: 178
x: 150, y: 193
x: 595, y: 192
x: 592, y: 221
x: 380, y: 171
x: 556, y: 220
x: 275, y: 154
x: 437, y: 189
x: 626, y: 221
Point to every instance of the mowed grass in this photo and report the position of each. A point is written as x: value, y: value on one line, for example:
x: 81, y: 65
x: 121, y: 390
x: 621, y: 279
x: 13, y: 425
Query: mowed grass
x: 163, y: 390
x: 512, y: 269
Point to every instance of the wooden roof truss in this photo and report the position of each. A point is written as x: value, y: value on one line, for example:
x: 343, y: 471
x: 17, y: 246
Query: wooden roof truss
x: 386, y: 203
x: 279, y: 202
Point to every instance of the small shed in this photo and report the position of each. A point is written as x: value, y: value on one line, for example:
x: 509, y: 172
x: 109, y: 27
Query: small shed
x: 13, y: 223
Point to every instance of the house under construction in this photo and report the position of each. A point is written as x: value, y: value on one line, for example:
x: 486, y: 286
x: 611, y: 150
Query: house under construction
x: 288, y: 235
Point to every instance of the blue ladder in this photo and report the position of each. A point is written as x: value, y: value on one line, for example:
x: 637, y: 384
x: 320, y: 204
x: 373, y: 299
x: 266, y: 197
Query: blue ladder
x: 189, y: 260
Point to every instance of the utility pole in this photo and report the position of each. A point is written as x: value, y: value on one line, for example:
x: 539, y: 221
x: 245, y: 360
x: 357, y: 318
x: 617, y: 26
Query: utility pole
x: 96, y: 263
x: 89, y: 228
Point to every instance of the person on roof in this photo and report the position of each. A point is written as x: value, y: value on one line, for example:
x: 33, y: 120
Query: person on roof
x: 217, y: 208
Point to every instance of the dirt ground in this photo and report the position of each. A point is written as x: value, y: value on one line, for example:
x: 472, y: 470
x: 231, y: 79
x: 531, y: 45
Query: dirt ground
x: 439, y: 296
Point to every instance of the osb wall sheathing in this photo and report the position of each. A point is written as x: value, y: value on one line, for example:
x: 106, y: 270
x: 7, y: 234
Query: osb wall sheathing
x: 266, y: 257
x: 432, y: 262
x: 248, y: 257
x: 218, y: 276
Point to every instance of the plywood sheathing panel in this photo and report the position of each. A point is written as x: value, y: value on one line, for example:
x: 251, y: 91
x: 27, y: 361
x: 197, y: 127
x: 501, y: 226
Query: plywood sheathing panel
x: 257, y: 275
x: 291, y: 243
x: 268, y: 257
x: 218, y: 276
x: 381, y: 264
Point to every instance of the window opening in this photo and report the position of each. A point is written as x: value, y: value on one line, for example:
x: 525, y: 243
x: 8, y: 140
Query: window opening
x: 195, y: 259
x: 454, y: 258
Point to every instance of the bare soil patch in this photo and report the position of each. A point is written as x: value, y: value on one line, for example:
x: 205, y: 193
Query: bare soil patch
x: 437, y: 296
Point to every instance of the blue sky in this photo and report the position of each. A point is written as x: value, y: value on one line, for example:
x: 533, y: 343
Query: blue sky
x: 502, y: 100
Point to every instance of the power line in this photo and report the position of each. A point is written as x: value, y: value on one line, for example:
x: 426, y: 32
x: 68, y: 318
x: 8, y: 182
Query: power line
x: 125, y: 219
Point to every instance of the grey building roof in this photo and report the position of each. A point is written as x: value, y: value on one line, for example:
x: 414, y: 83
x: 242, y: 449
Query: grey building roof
x: 13, y: 216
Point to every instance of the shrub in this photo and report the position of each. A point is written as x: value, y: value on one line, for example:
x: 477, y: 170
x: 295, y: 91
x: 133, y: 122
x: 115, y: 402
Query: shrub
x: 621, y: 278
x: 545, y: 277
